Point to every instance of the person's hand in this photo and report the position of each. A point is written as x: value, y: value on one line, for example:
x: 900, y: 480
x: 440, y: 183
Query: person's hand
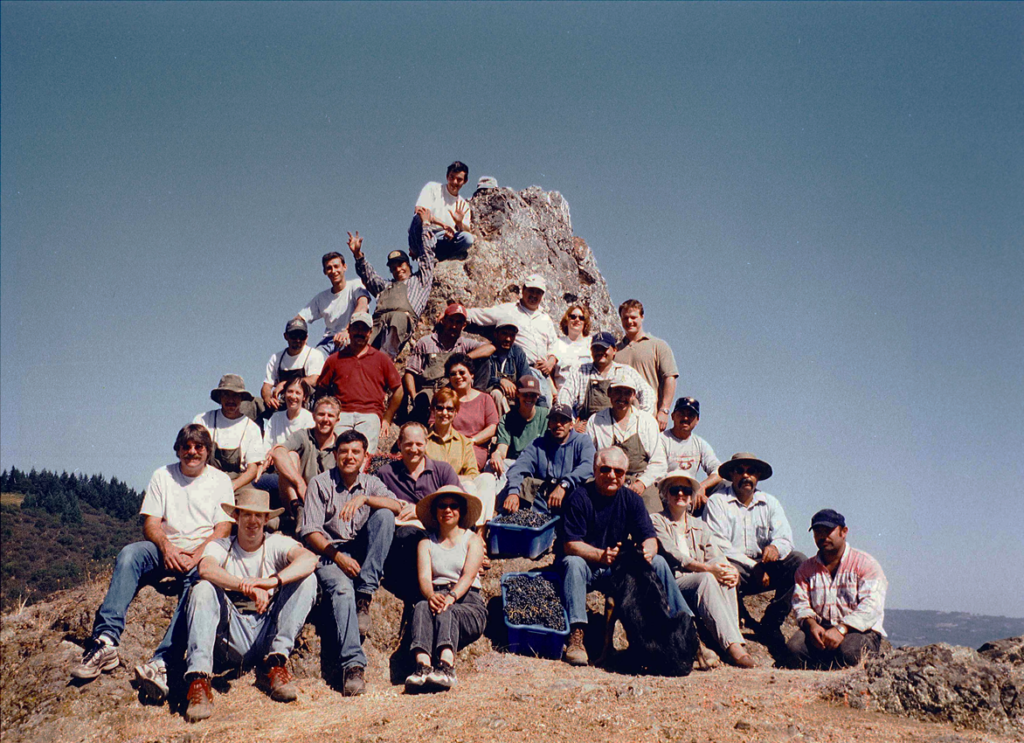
x: 511, y: 503
x: 341, y: 339
x: 699, y: 498
x: 498, y: 463
x: 355, y: 244
x: 556, y: 496
x: 637, y: 487
x: 460, y: 212
x: 508, y: 387
x: 662, y: 418
x: 261, y: 596
x: 349, y: 566
x: 650, y: 550
x: 725, y: 574
x: 385, y: 429
x: 261, y: 468
x: 580, y: 426
x: 177, y: 560
x: 440, y: 602
x: 272, y: 401
x: 816, y: 633
x: 770, y: 553
x: 425, y: 216
x: 610, y: 554
x: 832, y: 638
x: 545, y: 365
x: 348, y: 511
x: 408, y: 512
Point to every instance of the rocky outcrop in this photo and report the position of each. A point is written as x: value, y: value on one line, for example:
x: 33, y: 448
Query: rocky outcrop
x: 1010, y: 650
x: 940, y: 683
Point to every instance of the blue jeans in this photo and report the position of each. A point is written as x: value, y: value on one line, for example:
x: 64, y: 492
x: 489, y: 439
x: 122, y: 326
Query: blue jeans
x: 134, y: 561
x: 454, y: 247
x: 578, y: 576
x: 248, y: 638
x: 372, y: 545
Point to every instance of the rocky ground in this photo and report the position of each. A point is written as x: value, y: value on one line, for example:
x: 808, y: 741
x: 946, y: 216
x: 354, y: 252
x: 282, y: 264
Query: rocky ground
x: 500, y: 696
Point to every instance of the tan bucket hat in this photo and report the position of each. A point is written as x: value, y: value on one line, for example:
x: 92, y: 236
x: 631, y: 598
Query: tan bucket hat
x: 252, y: 500
x: 230, y: 383
x: 678, y: 477
x: 467, y: 519
x: 744, y: 457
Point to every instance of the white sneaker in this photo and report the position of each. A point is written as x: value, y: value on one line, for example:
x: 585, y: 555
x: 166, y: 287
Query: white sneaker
x: 152, y: 680
x: 100, y: 656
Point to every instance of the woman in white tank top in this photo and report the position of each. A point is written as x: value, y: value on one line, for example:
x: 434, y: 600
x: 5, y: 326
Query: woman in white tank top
x: 451, y: 614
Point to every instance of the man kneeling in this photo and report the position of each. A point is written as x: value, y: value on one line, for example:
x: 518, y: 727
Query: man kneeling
x: 251, y: 603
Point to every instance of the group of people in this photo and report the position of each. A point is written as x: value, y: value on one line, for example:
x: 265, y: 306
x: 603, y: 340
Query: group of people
x: 270, y: 495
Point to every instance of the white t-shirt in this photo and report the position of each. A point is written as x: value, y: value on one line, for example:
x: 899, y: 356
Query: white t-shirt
x: 309, y: 359
x: 279, y: 428
x: 692, y: 455
x: 240, y: 433
x: 189, y: 507
x: 572, y: 355
x: 441, y: 204
x: 335, y: 309
x: 269, y: 559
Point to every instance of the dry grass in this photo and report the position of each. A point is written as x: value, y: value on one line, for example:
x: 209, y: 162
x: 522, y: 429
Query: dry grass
x: 11, y: 499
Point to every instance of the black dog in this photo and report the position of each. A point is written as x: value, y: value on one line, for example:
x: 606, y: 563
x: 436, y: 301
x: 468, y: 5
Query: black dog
x: 659, y: 644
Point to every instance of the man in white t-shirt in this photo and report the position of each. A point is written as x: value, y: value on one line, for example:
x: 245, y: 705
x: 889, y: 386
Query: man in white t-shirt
x: 686, y: 451
x: 297, y: 361
x: 252, y: 601
x: 237, y: 440
x: 337, y: 304
x: 440, y: 209
x: 183, y: 514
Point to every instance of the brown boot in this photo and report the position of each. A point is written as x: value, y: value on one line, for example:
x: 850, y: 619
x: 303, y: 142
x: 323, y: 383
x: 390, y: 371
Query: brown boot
x: 576, y: 653
x: 199, y: 699
x: 273, y: 678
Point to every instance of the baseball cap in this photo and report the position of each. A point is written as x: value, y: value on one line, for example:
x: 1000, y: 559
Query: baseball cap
x: 364, y: 317
x: 827, y: 517
x: 560, y: 408
x: 603, y: 339
x: 528, y: 383
x: 536, y: 281
x: 684, y: 403
x: 398, y: 256
x: 296, y: 324
x: 455, y: 309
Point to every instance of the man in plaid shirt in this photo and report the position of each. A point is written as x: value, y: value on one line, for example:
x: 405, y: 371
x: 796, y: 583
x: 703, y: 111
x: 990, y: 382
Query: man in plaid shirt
x: 839, y: 600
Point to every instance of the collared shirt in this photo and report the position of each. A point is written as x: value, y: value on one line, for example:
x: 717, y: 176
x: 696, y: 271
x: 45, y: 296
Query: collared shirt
x: 650, y: 356
x: 431, y: 344
x: 537, y: 334
x: 742, y: 532
x: 312, y: 459
x: 547, y: 458
x: 692, y: 454
x: 854, y: 597
x: 574, y: 391
x: 605, y: 432
x: 417, y: 286
x: 685, y: 542
x: 396, y: 477
x: 327, y: 495
x: 455, y: 449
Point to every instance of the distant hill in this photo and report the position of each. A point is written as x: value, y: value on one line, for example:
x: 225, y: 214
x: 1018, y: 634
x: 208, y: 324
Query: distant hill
x: 916, y: 627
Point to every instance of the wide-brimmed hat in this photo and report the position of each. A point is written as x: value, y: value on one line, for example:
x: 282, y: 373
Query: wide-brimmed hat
x: 230, y: 383
x: 467, y: 519
x: 743, y: 457
x: 678, y: 476
x: 252, y: 500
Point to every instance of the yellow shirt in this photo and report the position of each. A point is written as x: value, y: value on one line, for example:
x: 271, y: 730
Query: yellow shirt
x: 456, y: 450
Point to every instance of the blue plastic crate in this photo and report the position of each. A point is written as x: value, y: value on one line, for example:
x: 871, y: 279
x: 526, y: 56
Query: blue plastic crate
x: 536, y: 639
x: 520, y: 541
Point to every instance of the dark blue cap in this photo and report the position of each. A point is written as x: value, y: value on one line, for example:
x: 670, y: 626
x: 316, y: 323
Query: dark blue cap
x: 687, y: 402
x: 827, y: 517
x: 560, y: 408
x: 603, y: 339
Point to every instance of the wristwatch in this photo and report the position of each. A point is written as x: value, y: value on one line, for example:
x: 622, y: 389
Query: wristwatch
x: 842, y: 629
x: 664, y: 410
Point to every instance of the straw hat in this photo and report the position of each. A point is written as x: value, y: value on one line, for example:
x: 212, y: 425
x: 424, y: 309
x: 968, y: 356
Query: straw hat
x: 467, y: 519
x: 677, y: 477
x: 253, y: 501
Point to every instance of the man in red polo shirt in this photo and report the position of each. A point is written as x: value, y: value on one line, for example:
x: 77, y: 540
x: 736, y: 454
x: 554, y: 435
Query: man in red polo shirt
x: 361, y: 377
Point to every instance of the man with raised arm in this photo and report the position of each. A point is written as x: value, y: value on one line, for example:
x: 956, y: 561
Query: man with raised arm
x: 586, y: 389
x: 297, y: 361
x: 446, y: 215
x: 335, y: 305
x: 650, y: 356
x: 401, y: 301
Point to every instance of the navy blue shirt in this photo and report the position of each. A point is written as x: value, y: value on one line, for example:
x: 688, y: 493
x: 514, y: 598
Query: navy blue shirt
x: 512, y: 364
x: 600, y: 521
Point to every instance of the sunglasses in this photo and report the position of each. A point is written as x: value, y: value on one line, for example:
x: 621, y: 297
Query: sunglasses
x: 680, y: 490
x: 606, y: 470
x: 576, y: 316
x: 743, y: 469
x: 449, y: 506
x: 193, y: 447
x: 444, y: 408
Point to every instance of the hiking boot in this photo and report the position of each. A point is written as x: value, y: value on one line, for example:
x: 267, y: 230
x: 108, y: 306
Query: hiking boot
x: 99, y: 657
x: 199, y: 700
x: 576, y: 653
x: 152, y: 682
x: 418, y: 678
x: 274, y: 679
x: 363, y: 601
x: 354, y: 684
x: 443, y: 675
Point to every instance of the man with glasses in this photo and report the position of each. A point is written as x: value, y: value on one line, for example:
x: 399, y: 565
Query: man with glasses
x: 752, y: 530
x: 586, y: 390
x: 298, y: 360
x: 597, y: 518
x: 183, y: 513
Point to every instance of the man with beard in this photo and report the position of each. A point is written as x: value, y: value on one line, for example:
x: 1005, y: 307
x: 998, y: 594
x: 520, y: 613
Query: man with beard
x: 751, y: 529
x: 839, y: 600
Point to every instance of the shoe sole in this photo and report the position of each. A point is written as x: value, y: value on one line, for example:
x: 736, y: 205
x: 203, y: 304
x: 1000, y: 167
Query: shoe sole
x: 151, y: 691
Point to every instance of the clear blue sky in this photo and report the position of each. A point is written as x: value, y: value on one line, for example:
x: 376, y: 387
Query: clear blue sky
x: 819, y: 204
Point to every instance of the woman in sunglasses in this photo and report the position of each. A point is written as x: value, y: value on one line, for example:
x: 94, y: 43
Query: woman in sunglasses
x: 573, y: 348
x: 705, y: 577
x: 451, y: 613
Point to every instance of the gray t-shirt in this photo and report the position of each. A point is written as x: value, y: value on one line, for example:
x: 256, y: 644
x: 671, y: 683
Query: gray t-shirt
x: 690, y: 454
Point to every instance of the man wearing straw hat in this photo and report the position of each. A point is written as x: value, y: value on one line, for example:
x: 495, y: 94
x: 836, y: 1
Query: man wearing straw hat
x: 249, y: 606
x: 751, y: 528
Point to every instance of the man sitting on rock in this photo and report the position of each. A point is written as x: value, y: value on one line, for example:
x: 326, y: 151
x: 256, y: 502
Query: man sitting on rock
x: 650, y: 356
x: 349, y: 520
x: 401, y: 301
x: 637, y: 434
x: 182, y: 510
x: 297, y: 361
x: 839, y: 600
x: 751, y: 529
x: 686, y: 451
x: 446, y: 215
x: 335, y: 305
x: 499, y: 371
x: 237, y: 440
x: 586, y: 390
x: 305, y: 455
x: 519, y: 427
x: 552, y: 466
x: 597, y: 518
x: 424, y: 369
x: 251, y: 602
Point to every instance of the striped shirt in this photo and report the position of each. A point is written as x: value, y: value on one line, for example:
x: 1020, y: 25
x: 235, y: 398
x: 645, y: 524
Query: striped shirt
x: 417, y: 286
x: 854, y: 597
x: 574, y: 391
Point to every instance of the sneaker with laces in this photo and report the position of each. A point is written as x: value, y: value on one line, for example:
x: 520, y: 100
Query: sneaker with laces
x: 354, y: 684
x: 576, y: 653
x: 199, y: 700
x: 363, y: 601
x: 442, y: 675
x: 100, y: 656
x: 152, y: 682
x: 274, y: 679
x: 418, y: 678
